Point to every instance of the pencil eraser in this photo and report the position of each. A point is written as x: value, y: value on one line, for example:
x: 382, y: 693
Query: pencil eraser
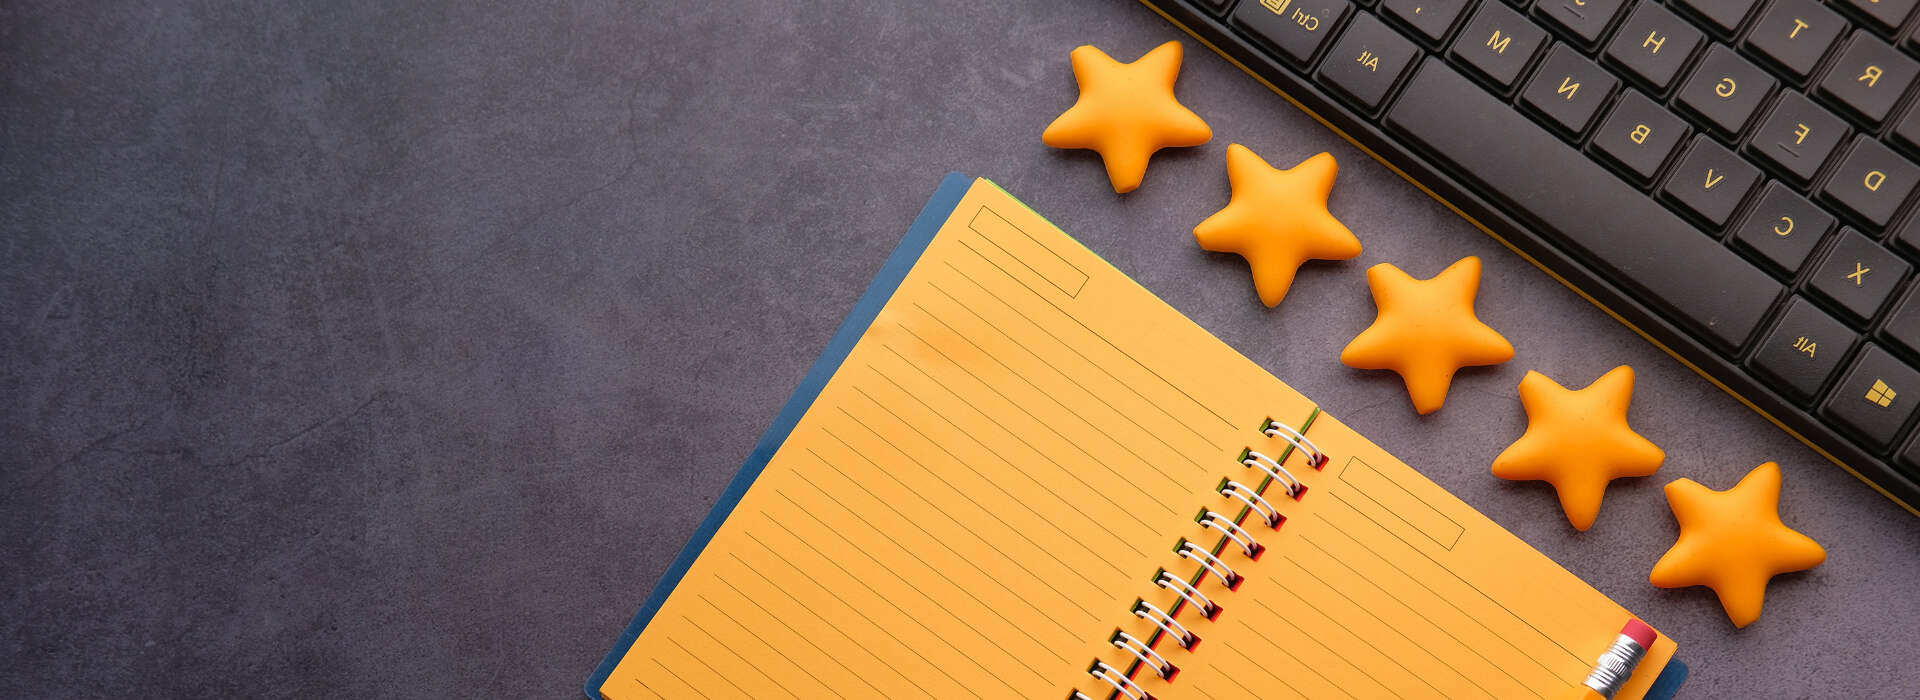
x: 1640, y: 633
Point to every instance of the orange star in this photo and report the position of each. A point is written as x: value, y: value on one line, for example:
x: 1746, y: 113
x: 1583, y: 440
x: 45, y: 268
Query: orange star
x: 1578, y: 441
x: 1126, y: 112
x: 1733, y: 542
x: 1277, y: 219
x: 1426, y: 330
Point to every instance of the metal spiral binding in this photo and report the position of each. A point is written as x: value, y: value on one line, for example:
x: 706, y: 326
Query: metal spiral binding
x: 1233, y: 531
x: 1186, y: 591
x: 1272, y: 467
x: 1118, y: 680
x: 1165, y: 622
x: 1146, y: 654
x: 1253, y: 499
x: 1211, y: 561
x: 1257, y: 504
x: 1315, y: 458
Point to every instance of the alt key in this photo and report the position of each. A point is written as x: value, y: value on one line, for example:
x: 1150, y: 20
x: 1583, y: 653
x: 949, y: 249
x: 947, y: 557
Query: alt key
x: 1802, y: 351
x: 1875, y: 399
x: 1366, y: 61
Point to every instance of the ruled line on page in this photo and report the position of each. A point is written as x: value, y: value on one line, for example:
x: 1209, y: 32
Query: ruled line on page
x: 1096, y: 492
x: 1070, y: 442
x: 1071, y: 503
x: 1445, y: 629
x: 1096, y: 334
x: 1340, y: 499
x: 829, y: 624
x: 912, y: 649
x: 1177, y: 453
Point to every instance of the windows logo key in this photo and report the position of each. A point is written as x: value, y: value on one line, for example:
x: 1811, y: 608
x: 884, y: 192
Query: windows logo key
x: 1880, y: 394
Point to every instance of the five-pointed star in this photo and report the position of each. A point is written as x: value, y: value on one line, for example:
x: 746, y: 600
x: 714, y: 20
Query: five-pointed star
x: 1426, y: 330
x: 1277, y: 219
x: 1578, y: 441
x: 1733, y: 542
x: 1126, y: 112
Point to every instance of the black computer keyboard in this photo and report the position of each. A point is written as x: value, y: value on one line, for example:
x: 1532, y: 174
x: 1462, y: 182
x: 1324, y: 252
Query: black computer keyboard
x: 1733, y: 178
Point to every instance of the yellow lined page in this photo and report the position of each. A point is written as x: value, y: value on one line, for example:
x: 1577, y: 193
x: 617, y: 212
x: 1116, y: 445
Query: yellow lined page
x: 978, y: 496
x: 975, y: 498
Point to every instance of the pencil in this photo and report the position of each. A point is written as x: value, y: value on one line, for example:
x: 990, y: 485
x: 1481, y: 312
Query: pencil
x: 1616, y: 665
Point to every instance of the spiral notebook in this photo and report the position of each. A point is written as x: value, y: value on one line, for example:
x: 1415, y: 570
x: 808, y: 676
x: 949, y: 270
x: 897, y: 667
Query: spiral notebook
x: 1016, y: 473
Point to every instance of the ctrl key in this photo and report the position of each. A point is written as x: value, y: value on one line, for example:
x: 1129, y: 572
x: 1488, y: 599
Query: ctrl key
x: 1296, y: 27
x: 1875, y: 399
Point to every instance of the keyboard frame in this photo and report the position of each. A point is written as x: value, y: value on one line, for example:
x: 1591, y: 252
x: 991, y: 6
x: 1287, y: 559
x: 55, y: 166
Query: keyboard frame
x: 1570, y: 270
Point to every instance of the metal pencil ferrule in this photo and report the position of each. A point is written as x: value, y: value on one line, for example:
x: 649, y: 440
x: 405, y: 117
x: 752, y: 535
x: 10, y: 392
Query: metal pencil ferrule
x: 1615, y: 666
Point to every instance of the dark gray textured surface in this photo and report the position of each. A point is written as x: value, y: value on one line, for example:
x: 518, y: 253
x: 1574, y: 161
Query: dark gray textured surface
x: 366, y: 350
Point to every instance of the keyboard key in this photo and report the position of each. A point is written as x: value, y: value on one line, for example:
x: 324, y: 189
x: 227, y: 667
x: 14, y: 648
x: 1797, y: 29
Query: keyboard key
x: 1876, y: 397
x: 1705, y: 286
x: 1858, y: 275
x: 1295, y: 28
x: 1794, y: 34
x: 1882, y: 15
x: 1903, y: 325
x: 1367, y: 60
x: 1568, y: 89
x: 1720, y: 16
x: 1908, y: 237
x: 1802, y: 351
x: 1783, y: 229
x: 1497, y: 44
x: 1868, y: 79
x: 1797, y: 137
x: 1871, y: 182
x: 1584, y: 20
x: 1639, y: 136
x: 1653, y: 45
x: 1909, y: 459
x: 1725, y: 90
x: 1430, y: 19
x: 1711, y: 181
x: 1906, y: 132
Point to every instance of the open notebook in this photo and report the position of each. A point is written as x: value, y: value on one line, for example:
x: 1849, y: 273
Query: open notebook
x: 1016, y: 473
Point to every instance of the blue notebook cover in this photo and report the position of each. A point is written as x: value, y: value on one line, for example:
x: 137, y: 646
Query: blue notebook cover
x: 904, y: 255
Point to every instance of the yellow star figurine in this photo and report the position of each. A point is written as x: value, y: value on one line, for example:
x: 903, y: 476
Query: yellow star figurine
x: 1733, y: 542
x: 1126, y: 112
x: 1426, y: 330
x: 1578, y: 441
x: 1277, y: 220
